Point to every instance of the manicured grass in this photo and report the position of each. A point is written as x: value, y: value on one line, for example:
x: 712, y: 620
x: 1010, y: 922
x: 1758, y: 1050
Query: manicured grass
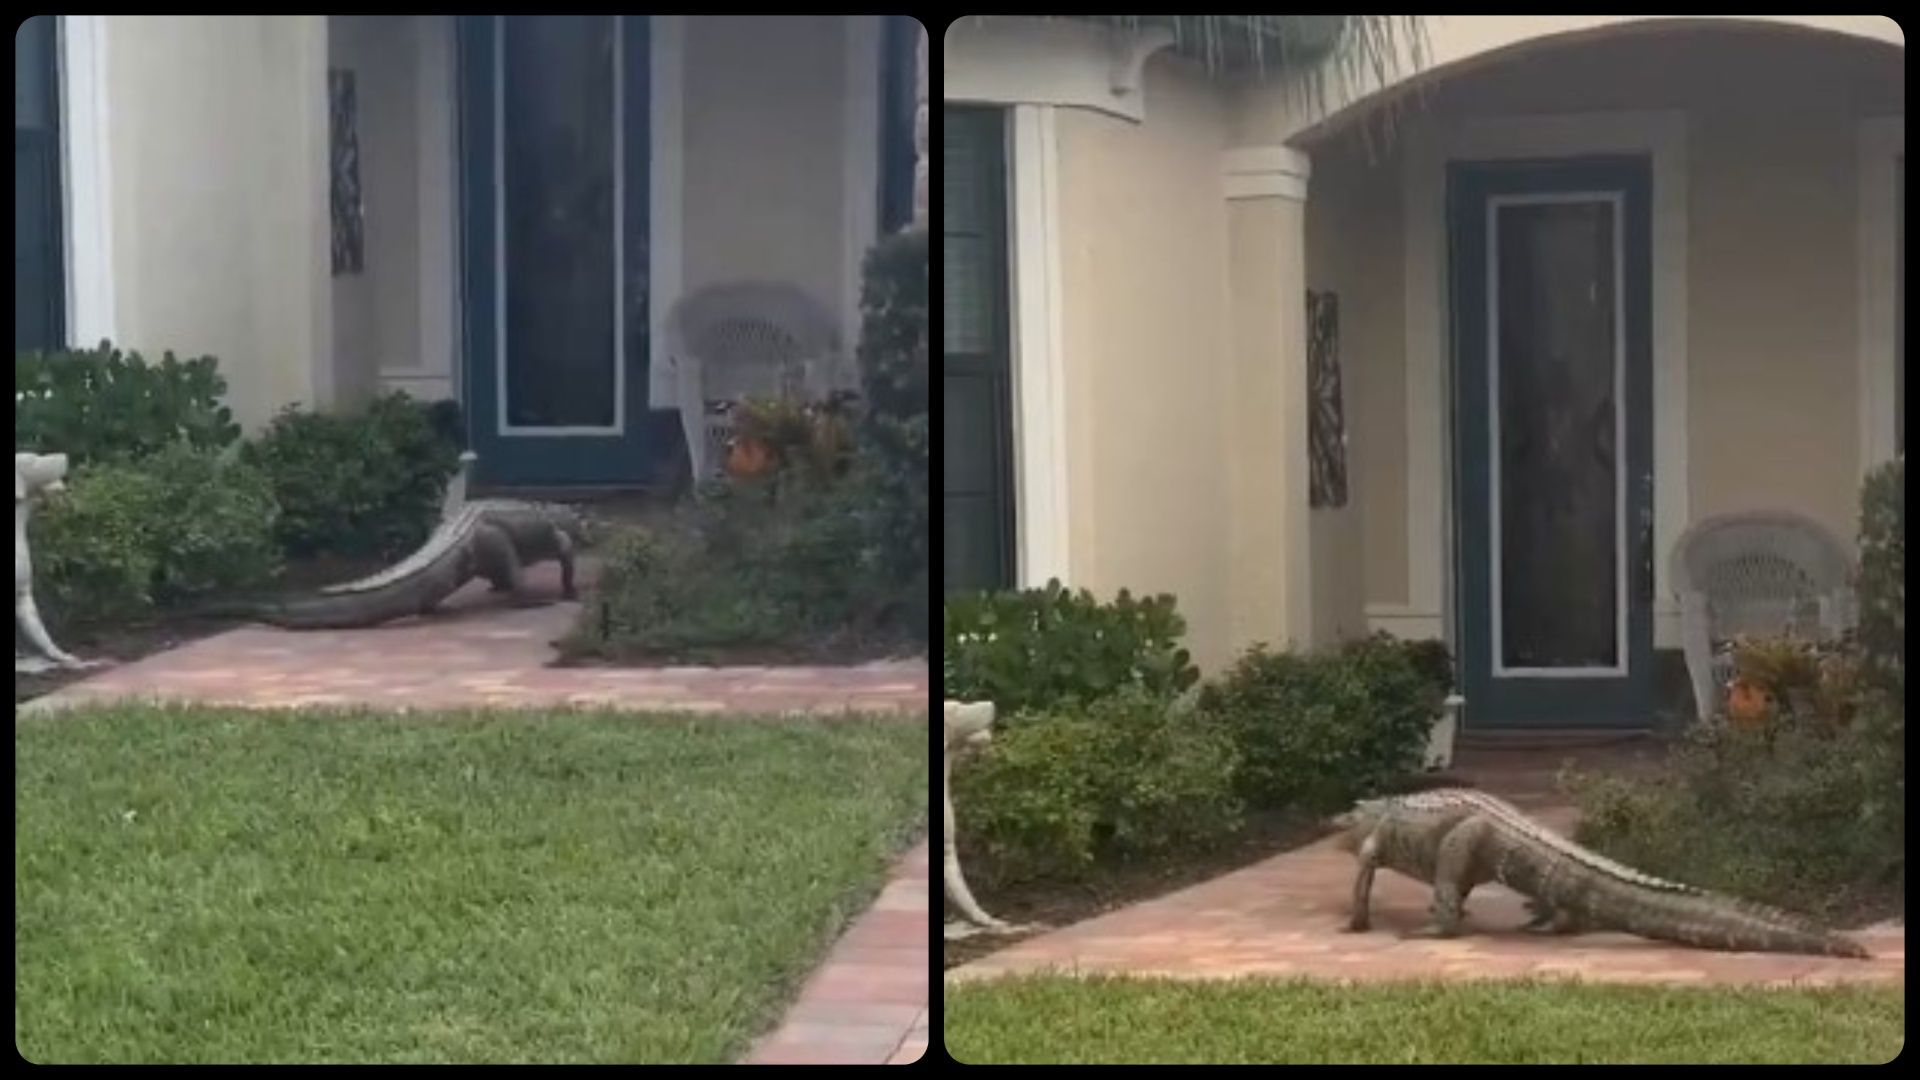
x: 1107, y: 1020
x: 198, y: 885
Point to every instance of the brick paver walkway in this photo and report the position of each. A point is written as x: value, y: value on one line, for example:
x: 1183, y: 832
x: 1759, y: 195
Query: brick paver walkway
x: 1284, y: 916
x: 867, y: 1004
x: 477, y: 652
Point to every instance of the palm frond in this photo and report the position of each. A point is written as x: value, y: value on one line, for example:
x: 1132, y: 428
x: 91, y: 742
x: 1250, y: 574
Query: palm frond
x: 1318, y: 59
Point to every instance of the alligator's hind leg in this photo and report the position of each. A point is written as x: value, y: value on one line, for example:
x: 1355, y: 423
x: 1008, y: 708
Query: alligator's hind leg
x: 563, y: 551
x: 1549, y: 920
x: 1451, y: 877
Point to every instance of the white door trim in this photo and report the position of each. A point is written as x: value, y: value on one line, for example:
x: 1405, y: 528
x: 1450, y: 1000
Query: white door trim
x: 1430, y: 604
x: 1881, y: 139
x: 1041, y: 536
x: 666, y: 38
x: 87, y: 193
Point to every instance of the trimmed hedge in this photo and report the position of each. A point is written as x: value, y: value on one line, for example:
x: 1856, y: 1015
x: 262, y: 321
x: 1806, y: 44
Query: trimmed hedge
x: 127, y: 537
x: 740, y: 570
x: 357, y: 484
x: 1317, y: 731
x: 1049, y: 648
x: 99, y: 405
x: 1119, y: 779
x: 1804, y: 805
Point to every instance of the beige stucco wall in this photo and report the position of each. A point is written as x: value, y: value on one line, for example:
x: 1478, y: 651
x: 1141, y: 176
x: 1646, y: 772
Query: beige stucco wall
x: 1143, y: 231
x: 1158, y: 464
x: 762, y: 185
x: 1772, y: 281
x: 217, y: 132
x: 377, y: 311
x: 217, y: 135
x: 1353, y: 243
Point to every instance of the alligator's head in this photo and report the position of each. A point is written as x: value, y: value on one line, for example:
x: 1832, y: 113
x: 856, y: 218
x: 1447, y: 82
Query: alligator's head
x: 576, y: 526
x: 1356, y: 823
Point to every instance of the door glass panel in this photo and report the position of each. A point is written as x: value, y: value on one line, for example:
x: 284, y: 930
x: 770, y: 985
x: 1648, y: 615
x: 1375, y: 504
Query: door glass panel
x: 559, y: 190
x: 1555, y: 349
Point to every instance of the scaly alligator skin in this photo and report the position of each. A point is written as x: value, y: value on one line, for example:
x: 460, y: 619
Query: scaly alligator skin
x: 493, y: 539
x: 1456, y: 839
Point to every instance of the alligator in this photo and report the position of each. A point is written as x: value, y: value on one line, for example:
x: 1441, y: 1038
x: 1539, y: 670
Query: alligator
x: 1455, y: 839
x: 493, y: 539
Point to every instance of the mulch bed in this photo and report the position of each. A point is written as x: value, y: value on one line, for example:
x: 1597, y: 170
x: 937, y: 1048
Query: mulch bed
x: 836, y: 651
x: 125, y: 642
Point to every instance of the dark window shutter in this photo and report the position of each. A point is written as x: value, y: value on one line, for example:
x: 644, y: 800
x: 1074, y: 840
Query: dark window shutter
x: 39, y: 287
x: 977, y: 441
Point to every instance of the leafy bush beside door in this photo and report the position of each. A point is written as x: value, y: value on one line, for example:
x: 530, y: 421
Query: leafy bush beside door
x: 131, y: 536
x: 1803, y: 804
x: 102, y: 404
x: 1317, y: 731
x: 1051, y: 647
x: 366, y: 483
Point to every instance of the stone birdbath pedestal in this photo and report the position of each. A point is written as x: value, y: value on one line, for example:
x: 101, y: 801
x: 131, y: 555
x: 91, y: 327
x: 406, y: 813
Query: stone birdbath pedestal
x: 968, y: 724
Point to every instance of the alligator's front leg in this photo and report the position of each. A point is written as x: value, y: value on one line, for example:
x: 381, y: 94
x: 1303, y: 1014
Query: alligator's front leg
x: 1368, y: 854
x: 500, y: 564
x: 1452, y: 881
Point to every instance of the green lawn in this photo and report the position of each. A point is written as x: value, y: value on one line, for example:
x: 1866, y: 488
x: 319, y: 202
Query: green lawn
x: 199, y: 885
x: 1106, y: 1020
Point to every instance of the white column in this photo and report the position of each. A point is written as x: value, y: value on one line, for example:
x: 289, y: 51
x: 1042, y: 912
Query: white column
x: 1271, y: 545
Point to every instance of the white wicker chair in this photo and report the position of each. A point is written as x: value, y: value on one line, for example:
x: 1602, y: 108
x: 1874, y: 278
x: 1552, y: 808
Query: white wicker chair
x: 1761, y: 572
x: 764, y: 339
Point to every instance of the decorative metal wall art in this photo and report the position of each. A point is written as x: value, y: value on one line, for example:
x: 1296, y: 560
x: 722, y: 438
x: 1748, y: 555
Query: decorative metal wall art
x: 344, y: 164
x: 1326, y: 425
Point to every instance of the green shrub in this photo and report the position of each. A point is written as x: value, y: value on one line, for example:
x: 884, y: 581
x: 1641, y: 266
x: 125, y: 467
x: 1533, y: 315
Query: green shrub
x: 741, y: 570
x: 1806, y: 810
x: 1882, y: 587
x: 1316, y: 732
x: 894, y: 433
x: 1796, y: 814
x: 93, y: 558
x: 102, y: 405
x: 1073, y: 788
x: 362, y: 484
x: 1050, y: 647
x: 178, y: 525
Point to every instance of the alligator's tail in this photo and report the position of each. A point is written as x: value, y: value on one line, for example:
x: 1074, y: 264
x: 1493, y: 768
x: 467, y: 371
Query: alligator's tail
x: 1711, y: 921
x: 319, y: 613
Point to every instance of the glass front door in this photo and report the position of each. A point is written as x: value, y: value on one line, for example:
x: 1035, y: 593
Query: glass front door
x: 555, y: 146
x: 1553, y: 446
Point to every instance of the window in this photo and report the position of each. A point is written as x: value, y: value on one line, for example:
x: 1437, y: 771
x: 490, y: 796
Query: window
x: 976, y: 431
x: 39, y: 286
x: 900, y: 42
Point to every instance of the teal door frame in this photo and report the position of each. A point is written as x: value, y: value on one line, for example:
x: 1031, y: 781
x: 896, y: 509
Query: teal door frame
x: 626, y: 452
x: 1531, y: 694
